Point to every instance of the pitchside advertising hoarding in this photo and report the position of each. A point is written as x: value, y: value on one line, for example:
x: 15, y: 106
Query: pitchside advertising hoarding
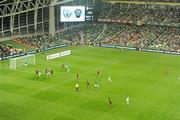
x: 57, y: 55
x: 76, y: 13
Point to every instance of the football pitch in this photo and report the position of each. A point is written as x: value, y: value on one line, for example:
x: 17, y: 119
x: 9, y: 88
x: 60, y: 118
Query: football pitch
x: 151, y: 81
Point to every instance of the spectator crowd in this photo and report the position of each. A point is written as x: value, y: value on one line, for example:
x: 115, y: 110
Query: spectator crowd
x: 157, y: 31
x: 7, y: 50
x: 144, y: 13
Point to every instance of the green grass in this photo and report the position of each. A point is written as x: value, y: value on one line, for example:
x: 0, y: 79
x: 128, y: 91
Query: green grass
x: 153, y: 95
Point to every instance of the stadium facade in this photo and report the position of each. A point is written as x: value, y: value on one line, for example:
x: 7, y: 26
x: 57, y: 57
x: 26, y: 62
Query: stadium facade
x: 23, y: 17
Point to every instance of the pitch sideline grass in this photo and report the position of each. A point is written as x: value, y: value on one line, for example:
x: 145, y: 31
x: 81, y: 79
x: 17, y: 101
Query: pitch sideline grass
x: 153, y: 95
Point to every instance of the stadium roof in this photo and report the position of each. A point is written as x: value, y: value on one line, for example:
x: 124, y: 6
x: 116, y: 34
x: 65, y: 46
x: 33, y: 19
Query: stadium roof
x: 10, y: 1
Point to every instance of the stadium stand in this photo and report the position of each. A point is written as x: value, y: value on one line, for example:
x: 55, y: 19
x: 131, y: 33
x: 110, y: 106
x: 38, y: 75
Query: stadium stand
x: 143, y: 26
x: 146, y: 37
x: 8, y: 50
x: 146, y: 14
x: 152, y: 37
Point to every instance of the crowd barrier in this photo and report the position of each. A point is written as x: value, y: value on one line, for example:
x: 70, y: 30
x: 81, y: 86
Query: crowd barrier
x: 133, y: 48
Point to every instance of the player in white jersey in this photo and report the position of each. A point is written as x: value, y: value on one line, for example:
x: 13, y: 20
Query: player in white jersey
x: 109, y: 78
x: 96, y: 85
x: 127, y: 99
x: 77, y: 87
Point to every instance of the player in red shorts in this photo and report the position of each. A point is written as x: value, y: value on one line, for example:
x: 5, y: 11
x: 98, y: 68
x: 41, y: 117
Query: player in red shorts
x: 52, y: 72
x: 87, y: 84
x: 166, y: 72
x: 77, y: 77
x: 110, y: 102
x: 98, y: 72
x: 62, y: 67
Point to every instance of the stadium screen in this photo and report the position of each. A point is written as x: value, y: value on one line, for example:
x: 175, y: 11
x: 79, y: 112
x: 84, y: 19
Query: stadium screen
x: 72, y: 14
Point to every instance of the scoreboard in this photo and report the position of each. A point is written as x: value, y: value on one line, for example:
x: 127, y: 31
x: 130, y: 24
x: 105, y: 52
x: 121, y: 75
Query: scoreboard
x: 76, y: 13
x: 72, y: 14
x: 89, y: 15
